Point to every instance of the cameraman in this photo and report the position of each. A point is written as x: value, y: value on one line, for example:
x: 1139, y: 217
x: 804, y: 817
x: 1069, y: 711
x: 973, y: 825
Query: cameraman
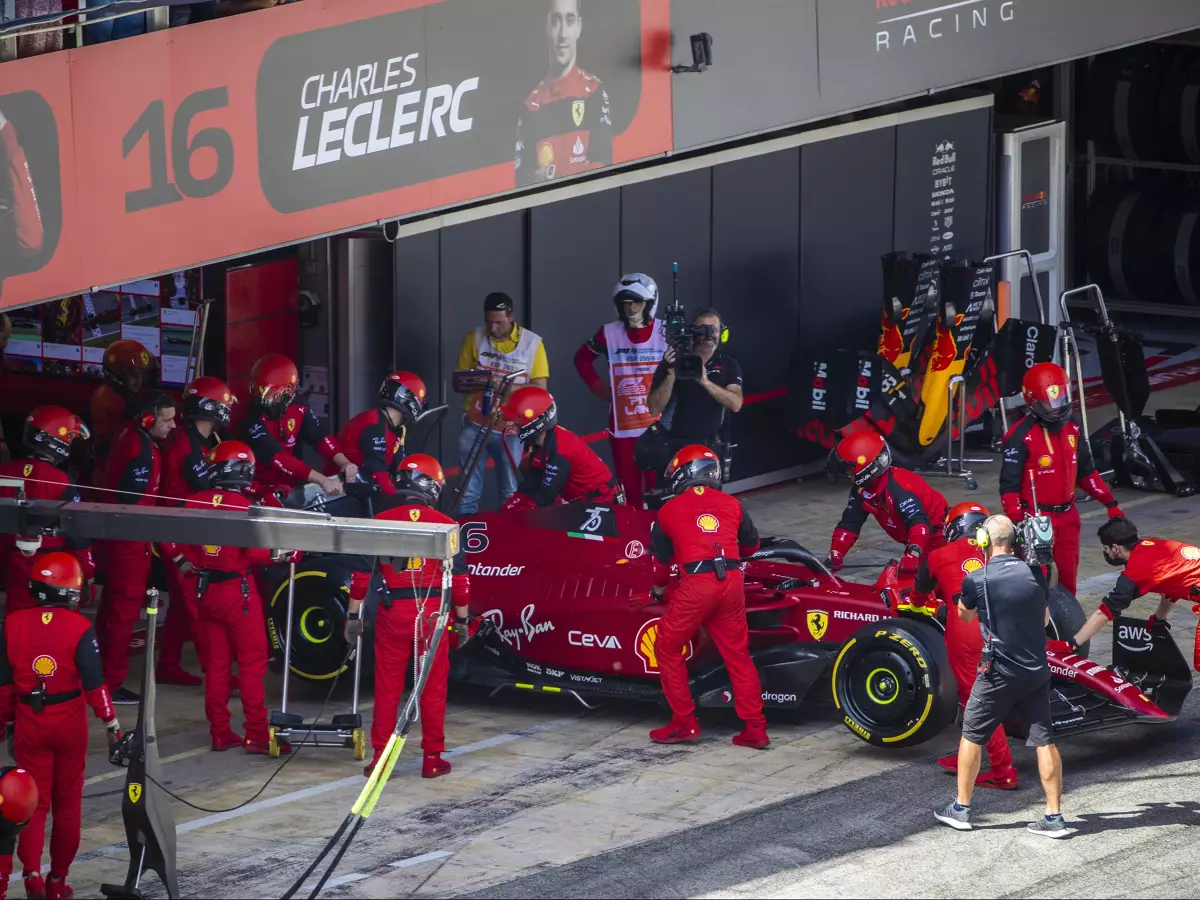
x: 1013, y: 673
x: 693, y: 410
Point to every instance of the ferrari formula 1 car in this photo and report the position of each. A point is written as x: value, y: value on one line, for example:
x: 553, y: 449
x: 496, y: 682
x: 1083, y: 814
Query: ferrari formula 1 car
x: 560, y: 595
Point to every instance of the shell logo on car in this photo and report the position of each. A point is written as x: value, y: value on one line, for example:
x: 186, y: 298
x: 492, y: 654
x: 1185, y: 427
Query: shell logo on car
x: 708, y: 523
x: 645, y: 646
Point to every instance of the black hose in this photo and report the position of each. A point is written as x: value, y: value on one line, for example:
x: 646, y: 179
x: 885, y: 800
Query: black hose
x: 796, y: 554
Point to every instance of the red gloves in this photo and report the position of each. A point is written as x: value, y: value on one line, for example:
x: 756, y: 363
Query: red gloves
x: 1062, y: 648
x: 909, y: 563
x: 834, y: 561
x: 843, y: 540
x: 519, y: 501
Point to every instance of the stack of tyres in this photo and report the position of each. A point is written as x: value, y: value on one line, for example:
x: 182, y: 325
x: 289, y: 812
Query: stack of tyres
x: 1179, y: 106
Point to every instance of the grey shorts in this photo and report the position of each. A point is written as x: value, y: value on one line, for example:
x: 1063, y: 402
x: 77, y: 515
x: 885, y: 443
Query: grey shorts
x: 995, y: 695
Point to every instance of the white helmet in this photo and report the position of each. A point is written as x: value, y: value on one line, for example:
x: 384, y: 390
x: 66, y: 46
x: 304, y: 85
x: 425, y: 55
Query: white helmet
x: 636, y: 286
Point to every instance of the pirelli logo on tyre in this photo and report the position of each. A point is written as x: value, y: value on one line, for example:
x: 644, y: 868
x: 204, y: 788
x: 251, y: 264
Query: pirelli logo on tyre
x: 907, y: 644
x: 856, y: 728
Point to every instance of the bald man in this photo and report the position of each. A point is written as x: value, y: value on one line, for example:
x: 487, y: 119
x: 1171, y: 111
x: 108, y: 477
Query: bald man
x: 1014, y: 674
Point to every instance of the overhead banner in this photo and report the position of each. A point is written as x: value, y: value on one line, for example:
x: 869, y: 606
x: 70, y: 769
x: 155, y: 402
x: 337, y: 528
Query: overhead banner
x: 164, y: 151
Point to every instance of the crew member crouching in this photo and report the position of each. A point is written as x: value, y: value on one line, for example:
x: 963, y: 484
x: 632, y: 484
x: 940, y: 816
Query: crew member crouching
x: 407, y: 616
x: 704, y: 534
x: 374, y: 439
x: 49, y: 675
x: 557, y: 464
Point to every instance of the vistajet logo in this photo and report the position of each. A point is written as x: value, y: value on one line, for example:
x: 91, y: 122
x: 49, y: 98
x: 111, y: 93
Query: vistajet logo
x: 905, y: 24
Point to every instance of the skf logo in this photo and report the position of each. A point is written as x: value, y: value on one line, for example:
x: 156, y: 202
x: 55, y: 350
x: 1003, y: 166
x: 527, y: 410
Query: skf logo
x: 415, y: 515
x: 135, y: 793
x: 645, y: 646
x: 28, y: 470
x: 818, y: 623
x: 708, y: 523
x: 577, y: 109
x: 47, y: 618
x: 1189, y: 552
x: 971, y: 565
x: 45, y: 666
x: 1045, y: 462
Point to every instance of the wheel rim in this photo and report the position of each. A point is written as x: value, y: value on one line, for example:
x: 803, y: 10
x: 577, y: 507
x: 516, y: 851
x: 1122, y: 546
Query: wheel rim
x: 316, y: 625
x: 882, y: 688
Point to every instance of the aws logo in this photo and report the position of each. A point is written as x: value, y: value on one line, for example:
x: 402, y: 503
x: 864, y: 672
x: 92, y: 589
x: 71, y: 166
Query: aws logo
x: 646, y: 646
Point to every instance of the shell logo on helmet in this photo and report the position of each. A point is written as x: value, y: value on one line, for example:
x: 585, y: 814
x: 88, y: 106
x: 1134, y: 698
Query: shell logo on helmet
x: 44, y: 666
x: 708, y: 523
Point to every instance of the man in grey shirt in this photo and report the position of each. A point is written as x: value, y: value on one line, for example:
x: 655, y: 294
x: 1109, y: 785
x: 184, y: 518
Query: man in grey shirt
x: 1013, y: 675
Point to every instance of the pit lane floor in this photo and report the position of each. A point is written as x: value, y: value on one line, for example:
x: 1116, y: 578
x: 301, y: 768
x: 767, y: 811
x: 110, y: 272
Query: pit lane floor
x: 549, y: 800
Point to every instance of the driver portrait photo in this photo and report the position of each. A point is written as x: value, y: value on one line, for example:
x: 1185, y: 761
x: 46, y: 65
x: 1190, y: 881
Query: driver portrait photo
x: 21, y: 230
x: 565, y: 126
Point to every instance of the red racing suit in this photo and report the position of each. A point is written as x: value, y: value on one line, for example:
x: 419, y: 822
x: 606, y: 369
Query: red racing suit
x: 690, y: 531
x: 43, y: 482
x: 134, y: 470
x: 904, y: 505
x: 108, y: 410
x: 229, y: 622
x: 54, y: 650
x: 635, y: 481
x: 565, y: 468
x: 942, y: 572
x: 21, y: 231
x: 1060, y: 460
x: 369, y: 442
x: 1160, y: 567
x: 274, y: 444
x: 184, y: 473
x: 565, y: 128
x: 410, y: 608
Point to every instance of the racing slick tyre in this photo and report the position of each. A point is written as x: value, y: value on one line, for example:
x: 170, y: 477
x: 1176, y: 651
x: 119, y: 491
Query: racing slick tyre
x: 1066, y: 617
x: 892, y: 683
x: 318, y: 619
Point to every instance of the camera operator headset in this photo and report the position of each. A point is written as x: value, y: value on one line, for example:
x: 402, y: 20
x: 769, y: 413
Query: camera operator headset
x: 695, y: 389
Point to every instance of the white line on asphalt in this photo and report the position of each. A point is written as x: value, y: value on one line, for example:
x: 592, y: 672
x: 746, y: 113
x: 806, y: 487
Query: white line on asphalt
x: 423, y: 858
x: 337, y: 882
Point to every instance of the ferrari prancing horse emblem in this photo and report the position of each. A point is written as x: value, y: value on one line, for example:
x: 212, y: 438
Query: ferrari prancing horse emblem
x: 818, y: 623
x: 577, y: 109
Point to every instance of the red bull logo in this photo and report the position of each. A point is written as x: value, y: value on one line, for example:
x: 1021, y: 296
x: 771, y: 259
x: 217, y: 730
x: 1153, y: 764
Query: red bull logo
x: 891, y: 341
x: 944, y: 350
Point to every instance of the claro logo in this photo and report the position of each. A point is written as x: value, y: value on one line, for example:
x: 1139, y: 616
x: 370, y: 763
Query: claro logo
x: 1031, y: 339
x: 902, y: 26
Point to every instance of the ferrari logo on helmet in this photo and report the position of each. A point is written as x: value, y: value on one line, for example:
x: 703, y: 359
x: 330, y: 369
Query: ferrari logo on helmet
x: 47, y: 618
x: 28, y: 469
x: 971, y: 565
x: 645, y: 646
x: 577, y: 109
x: 708, y: 523
x: 818, y: 623
x: 1045, y: 462
x: 135, y: 793
x: 145, y: 358
x: 1052, y: 391
x: 45, y: 666
x: 415, y: 515
x: 674, y: 463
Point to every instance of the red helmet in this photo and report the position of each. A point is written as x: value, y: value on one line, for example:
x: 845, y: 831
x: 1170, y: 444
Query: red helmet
x: 695, y: 464
x: 49, y: 432
x: 56, y: 580
x: 209, y: 399
x: 231, y: 465
x: 124, y: 358
x: 532, y: 410
x: 1045, y: 388
x: 864, y: 456
x: 420, y: 477
x: 963, y: 520
x: 18, y: 797
x: 405, y: 392
x: 273, y: 383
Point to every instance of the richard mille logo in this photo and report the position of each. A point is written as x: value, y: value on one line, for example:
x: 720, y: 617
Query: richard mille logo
x: 907, y: 28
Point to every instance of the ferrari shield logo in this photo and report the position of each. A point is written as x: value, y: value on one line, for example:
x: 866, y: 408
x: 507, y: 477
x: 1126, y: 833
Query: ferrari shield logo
x: 47, y: 618
x: 415, y: 515
x: 217, y: 498
x: 135, y: 793
x: 291, y: 425
x: 1052, y: 391
x: 28, y: 470
x: 1071, y: 440
x: 577, y: 109
x: 818, y: 623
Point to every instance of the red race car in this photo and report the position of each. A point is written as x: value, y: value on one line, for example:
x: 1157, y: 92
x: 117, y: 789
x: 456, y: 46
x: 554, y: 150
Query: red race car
x: 561, y: 593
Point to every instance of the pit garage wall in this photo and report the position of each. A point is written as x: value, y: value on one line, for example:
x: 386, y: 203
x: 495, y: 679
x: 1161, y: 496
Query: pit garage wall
x: 786, y: 245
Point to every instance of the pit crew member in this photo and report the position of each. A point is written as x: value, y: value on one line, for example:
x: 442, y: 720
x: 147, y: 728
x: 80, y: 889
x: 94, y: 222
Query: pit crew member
x: 374, y: 439
x: 406, y: 617
x: 133, y: 473
x: 49, y: 434
x: 633, y: 346
x: 902, y: 502
x: 128, y: 370
x: 1048, y: 443
x: 942, y: 572
x: 697, y: 540
x: 276, y: 424
x: 501, y: 347
x: 566, y: 125
x: 18, y: 803
x: 49, y: 675
x: 207, y: 406
x: 557, y: 464
x: 1152, y: 565
x: 229, y: 624
x: 1014, y: 675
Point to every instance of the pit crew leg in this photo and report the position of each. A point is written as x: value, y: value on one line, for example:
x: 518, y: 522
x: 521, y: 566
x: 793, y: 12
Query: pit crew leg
x: 34, y: 754
x: 248, y: 635
x: 728, y: 630
x: 1066, y: 547
x: 67, y: 797
x: 433, y: 698
x: 178, y: 629
x: 688, y: 605
x: 627, y: 471
x: 218, y: 661
x: 393, y: 649
x: 121, y: 606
